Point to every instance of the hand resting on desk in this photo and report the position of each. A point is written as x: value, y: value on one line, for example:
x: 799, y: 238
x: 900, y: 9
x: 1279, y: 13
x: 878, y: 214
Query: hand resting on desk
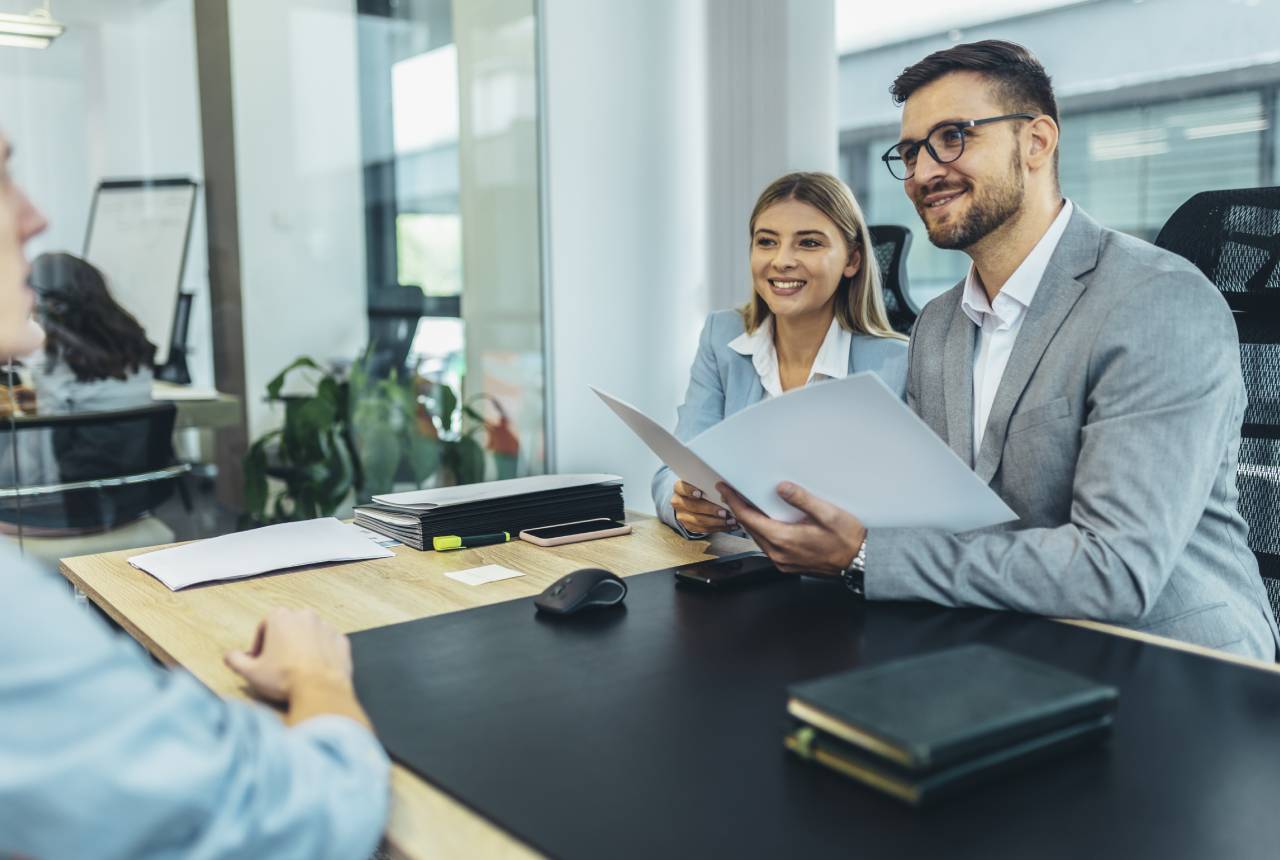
x: 300, y: 660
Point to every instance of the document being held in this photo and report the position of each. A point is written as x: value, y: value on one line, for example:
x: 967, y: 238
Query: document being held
x: 850, y: 441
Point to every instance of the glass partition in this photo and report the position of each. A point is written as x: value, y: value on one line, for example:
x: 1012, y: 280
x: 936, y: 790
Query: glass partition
x: 360, y: 306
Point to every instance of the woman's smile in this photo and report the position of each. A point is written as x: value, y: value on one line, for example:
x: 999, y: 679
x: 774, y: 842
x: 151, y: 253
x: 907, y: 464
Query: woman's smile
x: 786, y: 286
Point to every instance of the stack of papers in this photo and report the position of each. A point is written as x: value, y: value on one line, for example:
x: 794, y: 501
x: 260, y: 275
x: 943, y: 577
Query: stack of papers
x: 497, y: 506
x: 278, y: 547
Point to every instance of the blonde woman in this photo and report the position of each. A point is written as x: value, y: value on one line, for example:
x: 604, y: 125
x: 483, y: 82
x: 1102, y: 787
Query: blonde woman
x: 816, y: 312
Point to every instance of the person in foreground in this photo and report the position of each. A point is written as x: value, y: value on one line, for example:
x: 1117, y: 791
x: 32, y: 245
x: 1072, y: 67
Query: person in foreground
x: 1060, y: 370
x: 816, y: 312
x: 105, y: 755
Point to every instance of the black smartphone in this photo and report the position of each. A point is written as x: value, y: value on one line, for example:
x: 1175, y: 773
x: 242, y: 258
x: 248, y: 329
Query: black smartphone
x: 745, y: 568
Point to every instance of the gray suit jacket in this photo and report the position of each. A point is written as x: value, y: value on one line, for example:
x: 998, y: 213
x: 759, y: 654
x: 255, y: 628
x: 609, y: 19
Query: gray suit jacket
x: 1113, y: 436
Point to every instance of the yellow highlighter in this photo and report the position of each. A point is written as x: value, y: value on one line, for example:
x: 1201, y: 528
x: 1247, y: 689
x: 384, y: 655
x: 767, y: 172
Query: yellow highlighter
x: 443, y: 543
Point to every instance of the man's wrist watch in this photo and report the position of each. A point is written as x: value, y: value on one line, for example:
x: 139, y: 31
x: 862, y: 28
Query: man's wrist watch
x: 854, y: 575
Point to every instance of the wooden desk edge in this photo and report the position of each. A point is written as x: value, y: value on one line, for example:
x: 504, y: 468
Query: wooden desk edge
x: 1174, y: 644
x: 154, y: 648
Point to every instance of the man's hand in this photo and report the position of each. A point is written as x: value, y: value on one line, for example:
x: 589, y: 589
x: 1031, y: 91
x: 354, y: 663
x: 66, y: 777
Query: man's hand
x: 298, y: 659
x: 697, y: 514
x: 823, y: 543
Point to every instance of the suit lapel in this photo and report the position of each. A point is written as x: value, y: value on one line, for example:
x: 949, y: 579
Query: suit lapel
x: 1059, y: 290
x: 743, y: 396
x: 957, y: 377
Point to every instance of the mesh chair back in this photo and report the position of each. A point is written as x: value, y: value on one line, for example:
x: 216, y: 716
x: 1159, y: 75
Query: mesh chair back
x: 890, y: 244
x: 95, y: 446
x: 1234, y: 238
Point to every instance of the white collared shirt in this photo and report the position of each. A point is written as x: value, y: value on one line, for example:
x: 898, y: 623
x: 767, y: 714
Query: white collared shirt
x: 999, y: 321
x: 832, y: 361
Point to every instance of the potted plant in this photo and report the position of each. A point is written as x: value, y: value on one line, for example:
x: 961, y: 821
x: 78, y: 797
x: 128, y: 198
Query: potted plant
x: 357, y: 433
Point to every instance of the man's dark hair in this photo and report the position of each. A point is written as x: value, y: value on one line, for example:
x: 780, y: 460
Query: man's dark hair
x: 1020, y: 82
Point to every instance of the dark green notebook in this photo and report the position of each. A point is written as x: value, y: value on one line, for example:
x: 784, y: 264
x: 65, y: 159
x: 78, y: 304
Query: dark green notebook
x: 916, y: 787
x: 930, y: 711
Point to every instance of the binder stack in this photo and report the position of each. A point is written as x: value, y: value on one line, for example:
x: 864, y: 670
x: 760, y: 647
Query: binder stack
x: 415, y: 518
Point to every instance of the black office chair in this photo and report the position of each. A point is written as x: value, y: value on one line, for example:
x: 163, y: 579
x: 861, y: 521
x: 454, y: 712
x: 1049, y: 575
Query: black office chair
x: 891, y: 243
x: 393, y: 321
x: 113, y: 469
x: 1234, y: 238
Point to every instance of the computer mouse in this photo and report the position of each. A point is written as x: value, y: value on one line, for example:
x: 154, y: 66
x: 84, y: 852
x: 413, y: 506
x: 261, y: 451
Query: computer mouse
x: 589, y: 588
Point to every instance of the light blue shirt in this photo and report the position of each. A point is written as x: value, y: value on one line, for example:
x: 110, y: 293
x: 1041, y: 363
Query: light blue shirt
x: 103, y: 754
x: 723, y: 381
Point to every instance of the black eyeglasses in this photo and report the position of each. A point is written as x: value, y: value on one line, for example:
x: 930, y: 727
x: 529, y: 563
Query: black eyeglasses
x: 945, y: 144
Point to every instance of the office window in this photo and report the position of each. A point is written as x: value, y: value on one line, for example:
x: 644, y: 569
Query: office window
x: 1150, y: 114
x: 449, y: 141
x: 1130, y: 168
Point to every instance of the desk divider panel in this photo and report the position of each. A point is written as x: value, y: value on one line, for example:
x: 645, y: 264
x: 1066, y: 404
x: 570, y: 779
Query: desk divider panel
x: 655, y: 730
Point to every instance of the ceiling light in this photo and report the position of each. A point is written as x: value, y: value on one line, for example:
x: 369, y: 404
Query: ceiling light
x: 36, y: 29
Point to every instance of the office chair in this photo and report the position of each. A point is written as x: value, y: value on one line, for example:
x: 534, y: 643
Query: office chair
x: 393, y: 321
x: 114, y: 468
x: 890, y: 244
x: 1234, y: 238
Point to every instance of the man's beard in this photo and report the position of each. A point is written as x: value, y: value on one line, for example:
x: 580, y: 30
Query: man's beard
x: 987, y: 211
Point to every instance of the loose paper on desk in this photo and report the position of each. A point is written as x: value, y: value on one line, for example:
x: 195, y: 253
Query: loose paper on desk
x: 242, y: 554
x: 850, y: 441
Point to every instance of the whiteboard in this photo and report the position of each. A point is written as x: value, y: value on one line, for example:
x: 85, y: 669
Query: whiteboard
x: 137, y: 237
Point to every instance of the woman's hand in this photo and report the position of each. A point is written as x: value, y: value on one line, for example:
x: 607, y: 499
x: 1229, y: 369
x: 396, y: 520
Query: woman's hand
x: 697, y: 514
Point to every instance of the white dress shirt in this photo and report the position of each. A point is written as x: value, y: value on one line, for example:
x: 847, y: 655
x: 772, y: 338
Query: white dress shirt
x: 998, y: 322
x: 831, y: 362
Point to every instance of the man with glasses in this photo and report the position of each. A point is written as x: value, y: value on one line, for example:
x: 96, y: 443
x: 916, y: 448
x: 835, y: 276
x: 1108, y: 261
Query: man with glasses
x: 1093, y: 380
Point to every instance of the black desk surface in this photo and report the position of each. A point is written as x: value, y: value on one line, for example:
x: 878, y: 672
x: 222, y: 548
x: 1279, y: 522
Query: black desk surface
x: 656, y: 731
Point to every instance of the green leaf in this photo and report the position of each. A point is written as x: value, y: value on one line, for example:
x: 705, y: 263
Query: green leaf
x: 424, y: 456
x: 446, y: 403
x: 378, y: 447
x: 469, y: 462
x: 506, y: 465
x: 274, y: 386
x: 255, y: 477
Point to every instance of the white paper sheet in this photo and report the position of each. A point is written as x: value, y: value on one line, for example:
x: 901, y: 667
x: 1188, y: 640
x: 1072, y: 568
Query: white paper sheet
x: 691, y: 468
x: 483, y: 574
x: 850, y: 441
x: 269, y: 548
x: 444, y: 496
x: 369, y: 534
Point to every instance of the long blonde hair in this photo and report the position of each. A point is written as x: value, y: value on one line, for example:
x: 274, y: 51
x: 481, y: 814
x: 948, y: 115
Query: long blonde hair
x: 859, y: 302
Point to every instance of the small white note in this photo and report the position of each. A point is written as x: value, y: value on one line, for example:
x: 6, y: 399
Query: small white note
x: 483, y: 574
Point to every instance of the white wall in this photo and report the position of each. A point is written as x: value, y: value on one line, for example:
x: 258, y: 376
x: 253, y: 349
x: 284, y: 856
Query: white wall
x: 299, y: 187
x: 658, y: 138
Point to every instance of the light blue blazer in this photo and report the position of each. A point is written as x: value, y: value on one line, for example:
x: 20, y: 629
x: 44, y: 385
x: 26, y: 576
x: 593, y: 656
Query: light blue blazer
x: 723, y: 381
